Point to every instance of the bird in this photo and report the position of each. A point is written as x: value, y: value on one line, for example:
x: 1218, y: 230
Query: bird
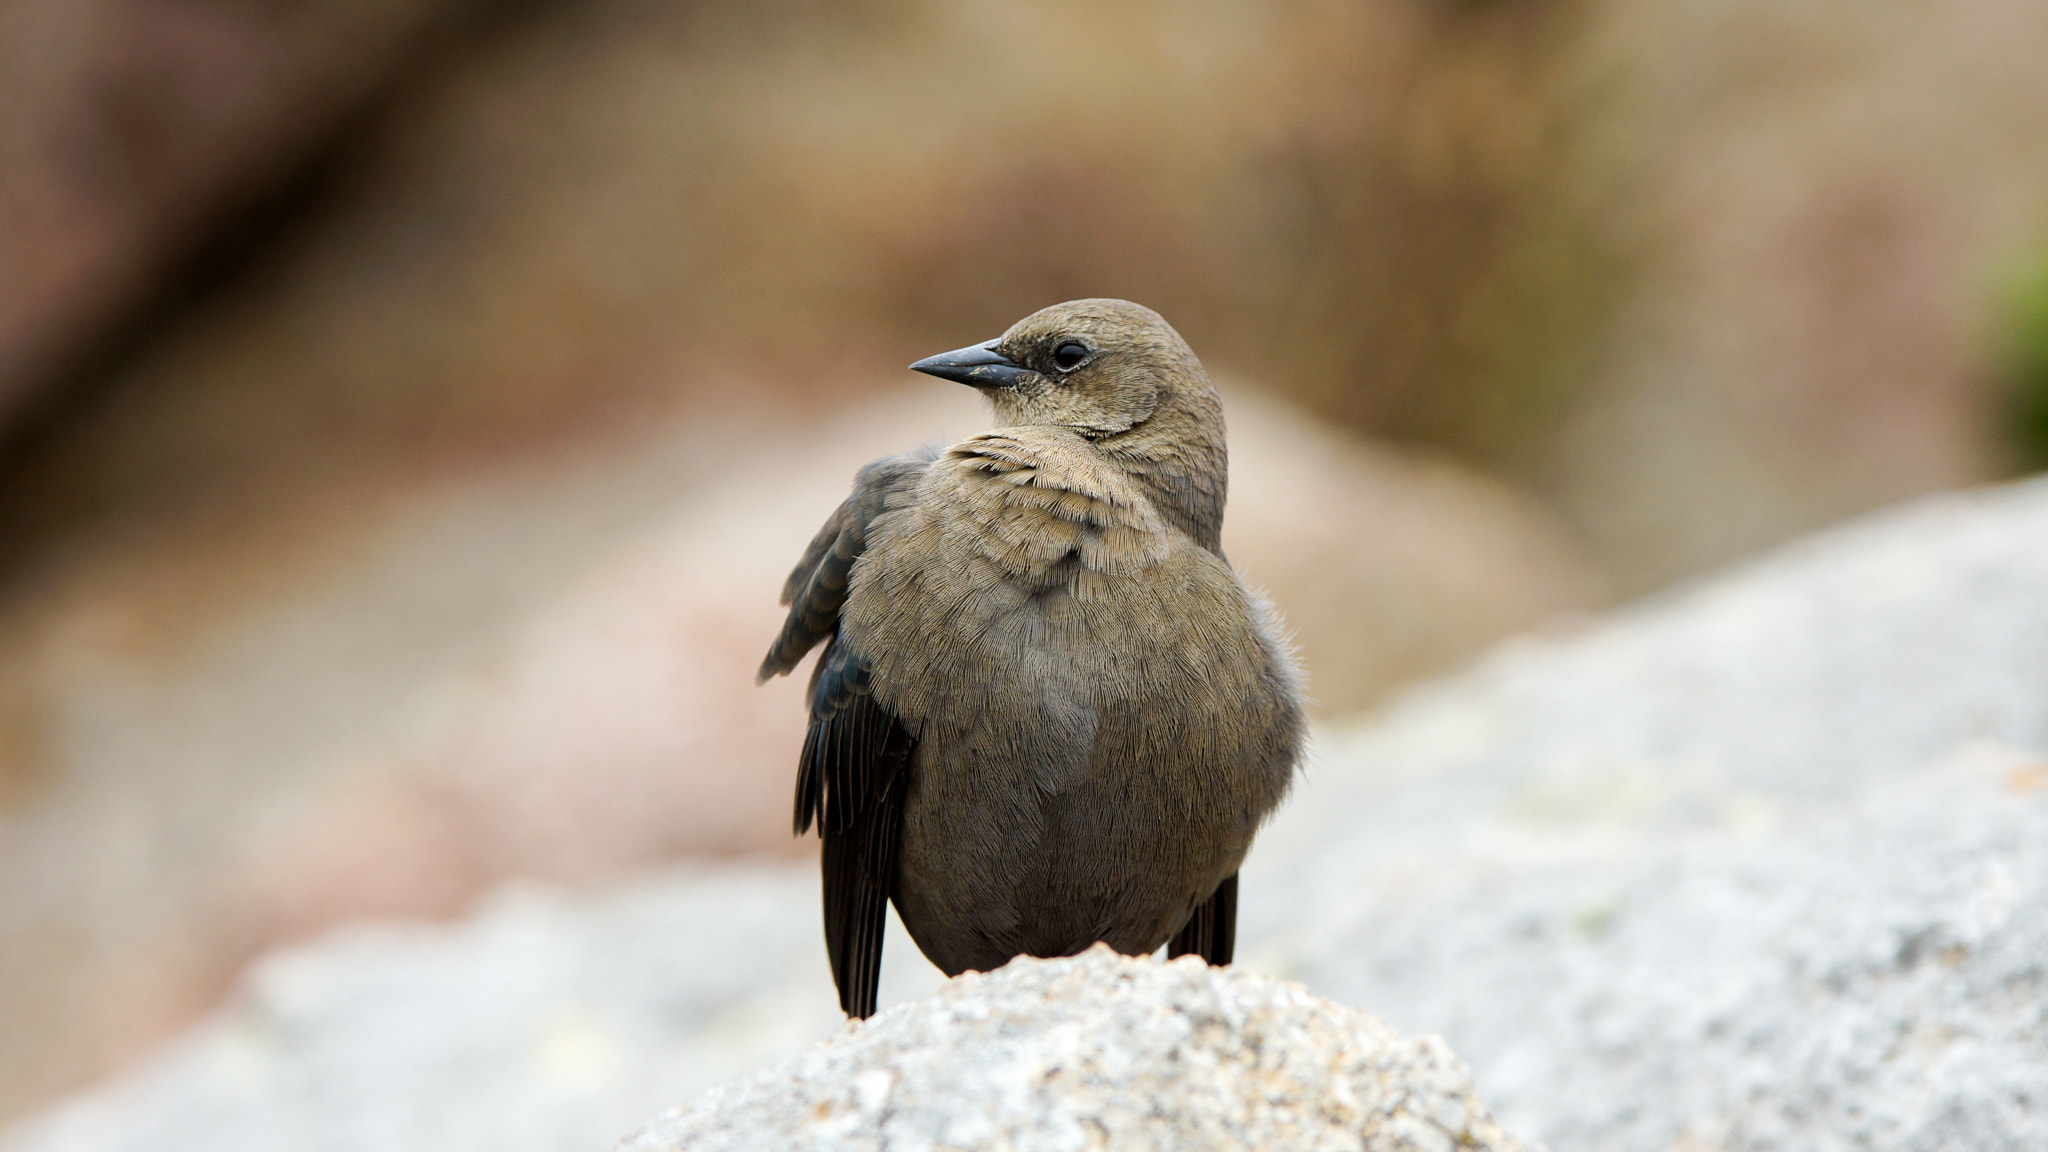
x: 1048, y: 712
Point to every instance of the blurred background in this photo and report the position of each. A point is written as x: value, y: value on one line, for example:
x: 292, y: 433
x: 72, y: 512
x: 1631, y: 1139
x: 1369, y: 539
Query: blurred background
x: 408, y: 408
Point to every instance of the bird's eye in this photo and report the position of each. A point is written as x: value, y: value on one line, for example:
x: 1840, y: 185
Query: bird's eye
x: 1069, y: 355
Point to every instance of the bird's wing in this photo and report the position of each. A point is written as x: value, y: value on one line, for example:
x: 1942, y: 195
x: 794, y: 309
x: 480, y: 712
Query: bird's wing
x: 1212, y: 931
x: 851, y: 777
x: 816, y: 588
x: 852, y: 772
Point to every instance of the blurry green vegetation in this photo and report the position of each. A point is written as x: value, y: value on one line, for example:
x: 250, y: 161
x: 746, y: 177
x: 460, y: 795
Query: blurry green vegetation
x: 2022, y: 366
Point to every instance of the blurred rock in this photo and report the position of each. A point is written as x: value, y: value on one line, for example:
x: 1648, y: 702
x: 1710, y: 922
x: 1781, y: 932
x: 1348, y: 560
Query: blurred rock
x: 541, y: 1025
x: 128, y: 126
x: 1760, y: 864
x: 547, y: 670
x: 1101, y: 1051
x: 1763, y: 865
x: 605, y: 211
x: 1389, y: 564
x: 546, y: 1024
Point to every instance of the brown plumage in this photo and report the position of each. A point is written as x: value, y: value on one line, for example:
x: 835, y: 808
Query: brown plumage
x: 1048, y: 713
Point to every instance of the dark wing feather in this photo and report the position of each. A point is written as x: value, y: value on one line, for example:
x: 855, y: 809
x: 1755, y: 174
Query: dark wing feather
x: 854, y: 767
x: 852, y: 779
x: 1212, y: 930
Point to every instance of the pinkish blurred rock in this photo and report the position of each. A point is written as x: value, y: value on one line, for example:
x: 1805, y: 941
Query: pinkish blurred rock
x: 1389, y: 564
x: 125, y: 124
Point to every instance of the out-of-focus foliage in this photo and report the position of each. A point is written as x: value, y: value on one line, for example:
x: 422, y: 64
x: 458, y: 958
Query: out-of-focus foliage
x: 2022, y: 366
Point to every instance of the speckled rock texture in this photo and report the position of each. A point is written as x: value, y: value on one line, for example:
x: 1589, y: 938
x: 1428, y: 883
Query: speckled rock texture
x: 1100, y: 1051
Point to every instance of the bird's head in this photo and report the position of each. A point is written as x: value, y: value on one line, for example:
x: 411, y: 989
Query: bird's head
x: 1100, y: 367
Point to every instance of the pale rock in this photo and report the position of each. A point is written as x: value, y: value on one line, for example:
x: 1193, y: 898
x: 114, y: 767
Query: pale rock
x: 1100, y: 1051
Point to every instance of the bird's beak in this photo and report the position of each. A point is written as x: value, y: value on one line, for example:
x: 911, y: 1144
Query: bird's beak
x: 977, y: 364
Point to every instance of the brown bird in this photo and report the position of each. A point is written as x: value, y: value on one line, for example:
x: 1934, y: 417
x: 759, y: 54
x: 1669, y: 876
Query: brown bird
x: 1048, y: 712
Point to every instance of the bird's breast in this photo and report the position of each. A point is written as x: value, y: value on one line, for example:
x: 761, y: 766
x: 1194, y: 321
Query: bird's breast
x: 1039, y: 516
x: 985, y: 591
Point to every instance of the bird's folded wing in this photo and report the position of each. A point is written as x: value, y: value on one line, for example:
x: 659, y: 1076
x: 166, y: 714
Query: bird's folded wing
x: 851, y: 778
x: 816, y: 588
x: 851, y: 773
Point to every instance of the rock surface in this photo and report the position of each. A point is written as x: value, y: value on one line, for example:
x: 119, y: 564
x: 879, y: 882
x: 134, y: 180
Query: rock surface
x: 1759, y: 865
x: 541, y: 1025
x: 1101, y: 1051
